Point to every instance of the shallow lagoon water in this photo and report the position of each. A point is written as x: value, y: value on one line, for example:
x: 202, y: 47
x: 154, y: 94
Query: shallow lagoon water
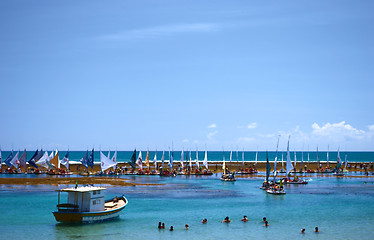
x: 342, y: 208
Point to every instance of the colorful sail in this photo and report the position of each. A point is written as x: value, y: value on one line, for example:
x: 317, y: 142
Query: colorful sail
x: 8, y: 159
x: 65, y: 160
x: 289, y: 166
x: 106, y: 162
x: 84, y: 160
x: 33, y: 159
x: 15, y: 160
x: 90, y: 160
x: 139, y: 162
x: 205, y: 162
x: 147, y: 159
x: 23, y: 160
x: 55, y: 161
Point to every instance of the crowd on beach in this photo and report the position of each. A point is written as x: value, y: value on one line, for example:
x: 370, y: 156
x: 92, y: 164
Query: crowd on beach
x: 227, y: 220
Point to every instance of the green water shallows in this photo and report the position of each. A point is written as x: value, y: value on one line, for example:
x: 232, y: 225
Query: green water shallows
x: 124, y: 156
x: 342, y: 208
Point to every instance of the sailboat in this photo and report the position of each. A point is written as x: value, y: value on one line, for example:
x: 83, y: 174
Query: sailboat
x: 225, y: 176
x: 289, y: 168
x: 337, y: 171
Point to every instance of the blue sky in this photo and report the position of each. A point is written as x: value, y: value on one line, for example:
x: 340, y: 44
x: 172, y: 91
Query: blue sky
x: 205, y: 74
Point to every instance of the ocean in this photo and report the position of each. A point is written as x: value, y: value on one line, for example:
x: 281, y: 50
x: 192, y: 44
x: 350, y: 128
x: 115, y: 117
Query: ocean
x: 124, y: 156
x: 342, y: 208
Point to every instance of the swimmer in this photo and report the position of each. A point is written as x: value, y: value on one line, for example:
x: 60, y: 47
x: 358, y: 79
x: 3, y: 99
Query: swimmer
x: 163, y: 226
x: 266, y: 224
x: 204, y: 221
x: 186, y: 226
x: 303, y: 230
x: 316, y: 230
x: 264, y: 219
x: 226, y: 220
x: 159, y: 225
x: 245, y: 219
x: 171, y: 228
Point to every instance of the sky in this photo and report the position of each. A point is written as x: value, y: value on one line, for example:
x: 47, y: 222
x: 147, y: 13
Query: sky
x: 187, y: 74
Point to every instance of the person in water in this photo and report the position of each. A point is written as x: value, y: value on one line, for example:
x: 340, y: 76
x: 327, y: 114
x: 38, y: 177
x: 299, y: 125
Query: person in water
x: 245, y: 219
x: 264, y: 219
x: 303, y: 230
x: 266, y: 224
x: 186, y: 226
x: 316, y: 230
x: 163, y: 226
x: 226, y: 220
x: 171, y: 228
x: 204, y: 221
x: 159, y: 225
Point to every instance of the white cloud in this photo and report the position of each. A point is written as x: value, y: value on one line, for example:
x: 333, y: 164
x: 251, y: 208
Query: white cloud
x: 161, y: 31
x: 213, y: 125
x: 252, y: 125
x: 371, y: 127
x: 340, y: 129
x: 185, y: 140
x: 211, y: 134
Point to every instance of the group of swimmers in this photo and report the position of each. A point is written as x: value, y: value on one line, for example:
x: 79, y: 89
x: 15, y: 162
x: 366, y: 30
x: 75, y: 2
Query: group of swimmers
x: 227, y: 220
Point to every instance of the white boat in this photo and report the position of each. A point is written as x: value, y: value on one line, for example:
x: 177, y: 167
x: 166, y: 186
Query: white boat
x: 87, y: 204
x: 275, y: 192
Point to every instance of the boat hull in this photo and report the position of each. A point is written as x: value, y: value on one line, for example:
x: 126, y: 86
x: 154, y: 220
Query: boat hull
x: 87, y: 217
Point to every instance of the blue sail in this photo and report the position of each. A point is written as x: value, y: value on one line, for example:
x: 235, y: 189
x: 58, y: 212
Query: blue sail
x: 133, y: 160
x: 37, y: 155
x: 90, y: 161
x: 84, y: 160
x: 8, y: 159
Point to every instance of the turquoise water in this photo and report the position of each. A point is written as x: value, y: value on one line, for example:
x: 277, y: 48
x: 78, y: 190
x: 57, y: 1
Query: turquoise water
x: 342, y: 208
x: 124, y: 156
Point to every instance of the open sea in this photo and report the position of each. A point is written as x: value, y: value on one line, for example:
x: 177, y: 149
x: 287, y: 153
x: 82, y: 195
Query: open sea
x: 342, y: 208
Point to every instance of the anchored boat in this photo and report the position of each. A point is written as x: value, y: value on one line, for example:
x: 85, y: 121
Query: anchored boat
x: 87, y: 204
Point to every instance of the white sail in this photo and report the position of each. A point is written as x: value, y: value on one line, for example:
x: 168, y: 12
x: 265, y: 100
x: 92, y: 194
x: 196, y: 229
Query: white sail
x: 109, y: 154
x: 231, y: 156
x: 256, y: 158
x: 182, y: 156
x: 15, y: 161
x: 114, y: 160
x: 345, y: 161
x: 65, y: 161
x: 289, y: 166
x: 105, y: 162
x: 327, y: 154
x: 190, y: 161
x: 197, y: 159
x: 302, y: 160
x: 224, y: 164
x: 275, y: 160
x: 282, y: 160
x: 139, y: 162
x: 243, y: 157
x: 206, y: 159
x: 43, y: 160
x: 295, y: 161
x: 155, y: 160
